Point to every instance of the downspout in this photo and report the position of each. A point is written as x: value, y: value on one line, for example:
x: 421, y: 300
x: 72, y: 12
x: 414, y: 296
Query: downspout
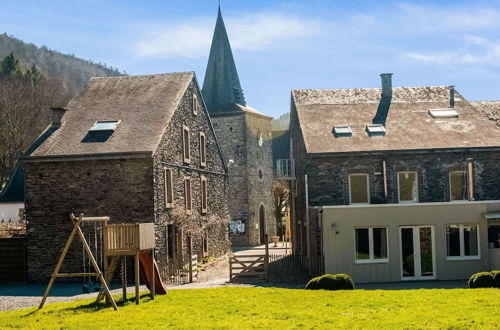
x: 306, y: 186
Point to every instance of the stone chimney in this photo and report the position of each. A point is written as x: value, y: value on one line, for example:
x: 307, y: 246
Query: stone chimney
x: 452, y: 96
x: 386, y: 84
x: 385, y: 100
x: 57, y: 115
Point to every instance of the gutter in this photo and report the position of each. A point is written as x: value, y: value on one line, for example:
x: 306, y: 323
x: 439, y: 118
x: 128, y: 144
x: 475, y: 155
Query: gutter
x: 80, y: 157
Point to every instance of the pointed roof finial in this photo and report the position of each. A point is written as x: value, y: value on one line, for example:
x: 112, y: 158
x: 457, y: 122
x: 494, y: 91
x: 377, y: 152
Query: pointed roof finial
x: 221, y: 86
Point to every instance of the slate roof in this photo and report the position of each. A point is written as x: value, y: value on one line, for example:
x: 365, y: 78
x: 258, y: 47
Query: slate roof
x: 14, y: 189
x: 491, y: 109
x: 144, y: 106
x: 408, y: 126
x: 221, y: 86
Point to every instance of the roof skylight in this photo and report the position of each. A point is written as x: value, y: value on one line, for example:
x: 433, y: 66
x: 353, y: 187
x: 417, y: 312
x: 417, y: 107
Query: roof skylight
x: 101, y: 131
x: 375, y: 130
x: 342, y: 131
x: 443, y: 113
x: 105, y: 125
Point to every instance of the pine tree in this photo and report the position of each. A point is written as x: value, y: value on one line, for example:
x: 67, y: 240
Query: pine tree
x: 10, y: 65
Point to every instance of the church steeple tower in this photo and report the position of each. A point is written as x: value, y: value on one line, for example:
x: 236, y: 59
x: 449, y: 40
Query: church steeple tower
x: 221, y: 87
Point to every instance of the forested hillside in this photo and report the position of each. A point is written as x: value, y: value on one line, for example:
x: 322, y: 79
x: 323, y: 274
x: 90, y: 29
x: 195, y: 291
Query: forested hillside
x: 72, y: 71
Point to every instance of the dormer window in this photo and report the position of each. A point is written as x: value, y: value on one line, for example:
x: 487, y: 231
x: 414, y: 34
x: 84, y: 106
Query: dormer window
x: 375, y: 130
x: 443, y: 113
x: 342, y: 131
x: 101, y: 131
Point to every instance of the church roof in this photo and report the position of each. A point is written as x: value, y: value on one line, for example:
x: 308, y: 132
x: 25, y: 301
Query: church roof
x: 491, y: 109
x: 221, y: 87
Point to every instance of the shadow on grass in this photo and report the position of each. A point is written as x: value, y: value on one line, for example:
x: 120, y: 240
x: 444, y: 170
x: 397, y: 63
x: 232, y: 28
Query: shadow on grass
x: 95, y: 306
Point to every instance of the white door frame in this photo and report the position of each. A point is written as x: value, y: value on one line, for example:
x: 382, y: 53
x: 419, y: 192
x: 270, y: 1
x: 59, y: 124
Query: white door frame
x: 416, y: 253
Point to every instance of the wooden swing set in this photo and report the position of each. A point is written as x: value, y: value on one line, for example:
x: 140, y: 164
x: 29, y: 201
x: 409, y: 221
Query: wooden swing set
x: 119, y: 241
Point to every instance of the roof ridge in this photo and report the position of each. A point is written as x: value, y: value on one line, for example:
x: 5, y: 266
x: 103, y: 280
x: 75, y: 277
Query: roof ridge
x: 145, y: 75
x: 367, y: 88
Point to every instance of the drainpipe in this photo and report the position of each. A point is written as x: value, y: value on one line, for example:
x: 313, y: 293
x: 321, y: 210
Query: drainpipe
x: 306, y: 184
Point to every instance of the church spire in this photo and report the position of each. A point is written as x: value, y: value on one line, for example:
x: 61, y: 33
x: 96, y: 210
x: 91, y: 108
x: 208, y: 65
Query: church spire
x: 221, y: 87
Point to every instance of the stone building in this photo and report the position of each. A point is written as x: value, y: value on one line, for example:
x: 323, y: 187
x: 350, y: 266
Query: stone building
x: 395, y: 183
x: 137, y: 149
x: 245, y: 138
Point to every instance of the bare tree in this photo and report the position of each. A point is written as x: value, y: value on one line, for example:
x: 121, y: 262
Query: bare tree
x: 25, y: 102
x: 281, y: 202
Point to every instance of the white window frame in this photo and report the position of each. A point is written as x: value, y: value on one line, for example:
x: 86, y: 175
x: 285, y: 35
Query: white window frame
x: 466, y: 186
x: 187, y: 157
x: 371, y: 259
x: 462, y: 255
x: 168, y: 176
x: 195, y: 104
x: 204, y: 194
x: 283, y: 167
x: 399, y: 188
x: 367, y: 188
x: 203, y: 149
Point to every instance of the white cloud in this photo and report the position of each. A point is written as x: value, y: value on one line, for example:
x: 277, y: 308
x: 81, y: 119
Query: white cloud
x: 246, y: 32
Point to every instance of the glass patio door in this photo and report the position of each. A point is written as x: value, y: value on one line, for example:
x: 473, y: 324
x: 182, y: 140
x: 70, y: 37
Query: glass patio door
x: 417, y: 253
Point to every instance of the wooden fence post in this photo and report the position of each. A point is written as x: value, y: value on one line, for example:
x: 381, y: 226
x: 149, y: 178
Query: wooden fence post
x: 266, y: 258
x: 190, y: 253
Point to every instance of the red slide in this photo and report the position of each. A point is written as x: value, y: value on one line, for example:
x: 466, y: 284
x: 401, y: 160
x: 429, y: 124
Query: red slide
x: 146, y: 266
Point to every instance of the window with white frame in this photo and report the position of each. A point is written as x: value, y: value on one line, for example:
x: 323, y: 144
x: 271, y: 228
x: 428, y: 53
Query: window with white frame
x: 371, y: 244
x: 408, y: 187
x: 283, y: 167
x: 204, y: 200
x: 188, y: 202
x: 169, y: 188
x: 462, y: 241
x: 458, y: 185
x: 359, y: 189
x: 195, y: 104
x: 203, y: 150
x: 186, y: 144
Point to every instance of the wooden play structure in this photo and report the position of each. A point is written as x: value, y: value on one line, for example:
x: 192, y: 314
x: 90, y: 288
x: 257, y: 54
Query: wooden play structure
x: 118, y: 242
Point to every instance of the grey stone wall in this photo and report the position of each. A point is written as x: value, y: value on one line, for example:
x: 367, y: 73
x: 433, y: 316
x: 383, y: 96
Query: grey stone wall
x: 328, y: 176
x: 169, y: 155
x: 259, y: 188
x: 121, y: 189
x: 238, y: 134
x: 230, y: 132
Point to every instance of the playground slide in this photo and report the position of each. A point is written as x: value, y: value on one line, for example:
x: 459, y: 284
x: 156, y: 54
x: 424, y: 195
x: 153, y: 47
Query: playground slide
x: 146, y: 266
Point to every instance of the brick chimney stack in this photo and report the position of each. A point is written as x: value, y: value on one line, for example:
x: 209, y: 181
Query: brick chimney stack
x: 57, y: 115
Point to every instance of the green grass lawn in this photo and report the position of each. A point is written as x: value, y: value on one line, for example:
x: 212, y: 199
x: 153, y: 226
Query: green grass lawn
x: 272, y: 308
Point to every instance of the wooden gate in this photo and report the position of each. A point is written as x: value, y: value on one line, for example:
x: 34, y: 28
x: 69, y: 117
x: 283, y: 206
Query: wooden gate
x: 248, y: 267
x: 13, y: 259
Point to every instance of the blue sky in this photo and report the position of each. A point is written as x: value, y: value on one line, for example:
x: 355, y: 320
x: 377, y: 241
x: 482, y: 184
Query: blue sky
x: 280, y: 45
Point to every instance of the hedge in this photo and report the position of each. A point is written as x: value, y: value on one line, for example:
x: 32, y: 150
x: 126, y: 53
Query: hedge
x: 485, y: 280
x: 331, y: 282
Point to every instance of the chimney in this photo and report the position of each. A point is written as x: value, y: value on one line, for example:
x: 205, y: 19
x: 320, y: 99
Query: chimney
x: 452, y: 96
x: 385, y: 100
x: 386, y: 85
x: 57, y: 114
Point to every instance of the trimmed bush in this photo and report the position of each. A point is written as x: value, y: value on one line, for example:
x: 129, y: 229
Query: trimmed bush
x: 331, y: 282
x: 483, y: 280
x: 496, y: 277
x: 471, y: 280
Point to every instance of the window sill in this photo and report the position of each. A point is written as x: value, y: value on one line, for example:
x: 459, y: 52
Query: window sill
x: 169, y: 206
x: 378, y: 261
x: 463, y: 258
x: 408, y: 202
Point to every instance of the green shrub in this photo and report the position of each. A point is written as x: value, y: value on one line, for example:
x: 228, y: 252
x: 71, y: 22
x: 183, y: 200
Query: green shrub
x: 471, y: 280
x: 483, y: 280
x: 331, y: 282
x: 496, y: 277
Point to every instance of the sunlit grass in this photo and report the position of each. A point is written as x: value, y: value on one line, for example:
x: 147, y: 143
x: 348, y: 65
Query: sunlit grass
x: 272, y: 308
